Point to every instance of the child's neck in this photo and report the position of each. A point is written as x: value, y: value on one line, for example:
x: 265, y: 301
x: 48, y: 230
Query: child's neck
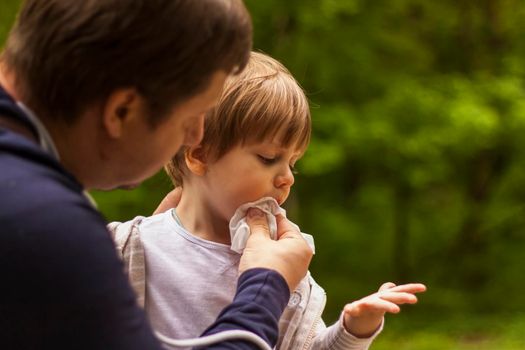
x: 197, y: 217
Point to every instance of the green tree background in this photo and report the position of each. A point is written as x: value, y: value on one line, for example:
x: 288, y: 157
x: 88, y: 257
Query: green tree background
x: 416, y: 169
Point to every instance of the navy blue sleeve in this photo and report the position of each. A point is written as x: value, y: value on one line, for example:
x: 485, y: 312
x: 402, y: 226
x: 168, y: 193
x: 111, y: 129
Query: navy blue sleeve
x: 63, y: 285
x: 259, y: 302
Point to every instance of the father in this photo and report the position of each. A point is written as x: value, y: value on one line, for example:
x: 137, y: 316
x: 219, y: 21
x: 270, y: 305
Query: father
x: 100, y: 94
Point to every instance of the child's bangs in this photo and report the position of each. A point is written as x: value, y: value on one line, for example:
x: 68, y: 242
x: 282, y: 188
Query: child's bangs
x: 281, y: 113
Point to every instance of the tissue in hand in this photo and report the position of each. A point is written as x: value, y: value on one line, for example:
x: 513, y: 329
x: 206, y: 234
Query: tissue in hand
x: 240, y: 231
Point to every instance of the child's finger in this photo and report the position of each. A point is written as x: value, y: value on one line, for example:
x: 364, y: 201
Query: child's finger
x: 386, y: 286
x: 409, y: 288
x: 398, y: 297
x: 357, y: 308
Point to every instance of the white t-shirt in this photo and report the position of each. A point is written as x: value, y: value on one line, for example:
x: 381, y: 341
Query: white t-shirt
x: 188, y: 280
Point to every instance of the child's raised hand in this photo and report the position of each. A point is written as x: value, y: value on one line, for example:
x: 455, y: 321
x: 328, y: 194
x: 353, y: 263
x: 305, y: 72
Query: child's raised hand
x: 363, y: 317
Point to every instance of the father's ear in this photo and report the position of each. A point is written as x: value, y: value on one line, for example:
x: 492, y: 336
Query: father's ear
x: 195, y: 157
x: 122, y: 107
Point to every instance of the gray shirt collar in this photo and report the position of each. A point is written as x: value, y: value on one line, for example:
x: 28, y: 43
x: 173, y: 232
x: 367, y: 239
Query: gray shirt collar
x: 45, y: 140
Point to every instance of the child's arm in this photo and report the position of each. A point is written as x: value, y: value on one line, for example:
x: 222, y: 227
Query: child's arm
x: 363, y: 317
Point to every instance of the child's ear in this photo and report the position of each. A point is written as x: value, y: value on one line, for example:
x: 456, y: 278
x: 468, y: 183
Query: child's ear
x: 195, y: 158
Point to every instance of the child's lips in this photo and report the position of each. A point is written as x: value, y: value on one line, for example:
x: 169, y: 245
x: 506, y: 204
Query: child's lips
x: 280, y: 201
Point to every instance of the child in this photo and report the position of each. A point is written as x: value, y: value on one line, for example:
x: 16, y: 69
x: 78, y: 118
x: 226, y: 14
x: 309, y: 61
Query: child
x: 252, y: 140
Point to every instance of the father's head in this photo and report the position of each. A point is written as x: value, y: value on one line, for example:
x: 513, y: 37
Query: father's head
x: 122, y: 84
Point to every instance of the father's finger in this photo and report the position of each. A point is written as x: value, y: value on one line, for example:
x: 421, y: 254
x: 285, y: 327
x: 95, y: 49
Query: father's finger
x: 285, y: 226
x: 171, y: 200
x: 256, y: 219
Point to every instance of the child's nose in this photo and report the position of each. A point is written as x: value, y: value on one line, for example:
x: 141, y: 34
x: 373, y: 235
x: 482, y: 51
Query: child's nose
x: 285, y: 178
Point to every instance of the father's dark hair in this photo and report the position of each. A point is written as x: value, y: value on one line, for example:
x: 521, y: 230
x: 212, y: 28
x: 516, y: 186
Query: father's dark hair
x: 69, y: 54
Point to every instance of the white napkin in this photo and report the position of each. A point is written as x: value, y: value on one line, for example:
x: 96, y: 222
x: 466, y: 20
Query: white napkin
x: 240, y: 231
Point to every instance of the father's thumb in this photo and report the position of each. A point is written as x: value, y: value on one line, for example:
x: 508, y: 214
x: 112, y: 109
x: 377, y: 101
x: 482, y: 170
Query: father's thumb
x: 256, y: 219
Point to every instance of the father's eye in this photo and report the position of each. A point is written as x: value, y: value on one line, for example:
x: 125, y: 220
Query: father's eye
x: 293, y: 169
x: 266, y: 160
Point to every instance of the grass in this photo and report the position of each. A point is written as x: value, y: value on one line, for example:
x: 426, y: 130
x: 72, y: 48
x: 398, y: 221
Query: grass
x: 460, y: 332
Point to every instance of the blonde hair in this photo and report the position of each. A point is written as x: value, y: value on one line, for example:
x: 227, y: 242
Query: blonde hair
x: 258, y: 104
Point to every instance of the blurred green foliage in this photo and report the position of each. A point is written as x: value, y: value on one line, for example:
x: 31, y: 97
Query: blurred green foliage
x: 8, y: 10
x: 416, y: 169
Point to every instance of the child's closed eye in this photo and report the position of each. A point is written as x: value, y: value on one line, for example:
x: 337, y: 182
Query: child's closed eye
x: 267, y: 160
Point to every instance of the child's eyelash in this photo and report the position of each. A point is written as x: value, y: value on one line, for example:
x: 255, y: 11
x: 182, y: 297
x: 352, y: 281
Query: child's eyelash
x: 267, y: 160
x: 270, y: 161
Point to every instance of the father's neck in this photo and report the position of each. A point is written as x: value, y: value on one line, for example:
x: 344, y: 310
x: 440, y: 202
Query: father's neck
x: 7, y: 81
x: 74, y: 143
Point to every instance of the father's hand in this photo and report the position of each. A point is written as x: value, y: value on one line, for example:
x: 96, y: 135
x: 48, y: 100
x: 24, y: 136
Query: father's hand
x: 171, y: 200
x: 289, y: 255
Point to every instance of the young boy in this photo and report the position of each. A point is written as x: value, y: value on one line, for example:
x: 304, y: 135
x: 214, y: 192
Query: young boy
x: 252, y: 140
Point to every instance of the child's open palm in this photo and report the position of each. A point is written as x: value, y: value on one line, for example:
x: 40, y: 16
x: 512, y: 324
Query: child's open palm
x: 364, y: 316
